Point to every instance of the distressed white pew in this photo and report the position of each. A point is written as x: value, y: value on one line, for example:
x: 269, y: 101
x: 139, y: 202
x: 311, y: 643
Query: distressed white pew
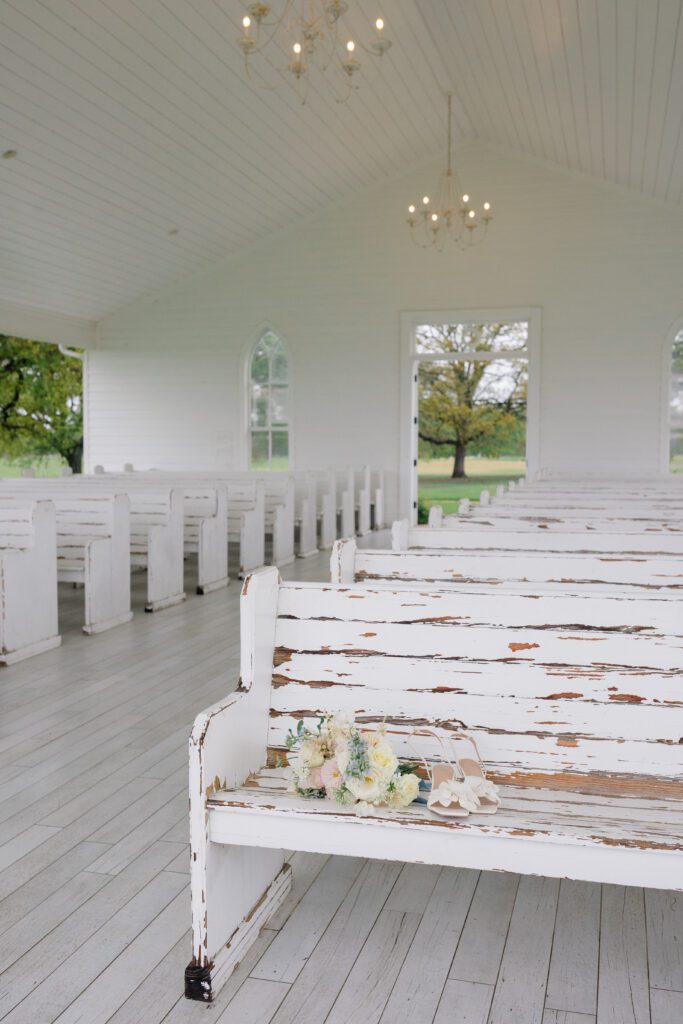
x: 516, y: 570
x: 580, y: 725
x: 473, y: 536
x: 280, y: 517
x: 28, y: 581
x: 561, y: 521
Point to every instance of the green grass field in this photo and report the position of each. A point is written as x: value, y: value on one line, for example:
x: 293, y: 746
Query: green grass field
x: 436, y: 487
x: 49, y: 466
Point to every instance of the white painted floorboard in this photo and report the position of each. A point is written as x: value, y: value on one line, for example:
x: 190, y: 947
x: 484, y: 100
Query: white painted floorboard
x: 94, y: 904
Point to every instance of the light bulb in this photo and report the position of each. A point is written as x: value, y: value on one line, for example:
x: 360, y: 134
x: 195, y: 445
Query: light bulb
x: 297, y: 48
x: 465, y: 198
x: 411, y: 209
x: 350, y: 46
x: 425, y: 200
x: 379, y: 24
x: 471, y: 214
x: 487, y: 206
x: 435, y: 216
x: 246, y: 21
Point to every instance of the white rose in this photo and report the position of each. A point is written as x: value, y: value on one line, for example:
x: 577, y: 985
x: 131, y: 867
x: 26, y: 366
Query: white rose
x: 310, y: 754
x: 406, y: 789
x: 382, y: 759
x: 342, y: 758
x: 367, y: 788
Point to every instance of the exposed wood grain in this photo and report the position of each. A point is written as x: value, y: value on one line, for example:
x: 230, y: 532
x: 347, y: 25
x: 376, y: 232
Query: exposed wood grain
x: 573, y: 977
x: 416, y: 994
x: 307, y: 1002
x: 520, y: 991
x: 288, y: 954
x: 664, y: 916
x: 372, y: 977
x: 464, y: 1002
x: 483, y: 939
x: 666, y: 1007
x: 623, y: 990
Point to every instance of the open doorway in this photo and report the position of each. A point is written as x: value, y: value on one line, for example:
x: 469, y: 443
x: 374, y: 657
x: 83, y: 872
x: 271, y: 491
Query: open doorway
x: 470, y: 396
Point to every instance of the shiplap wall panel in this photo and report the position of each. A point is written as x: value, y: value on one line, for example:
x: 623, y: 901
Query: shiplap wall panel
x: 170, y: 370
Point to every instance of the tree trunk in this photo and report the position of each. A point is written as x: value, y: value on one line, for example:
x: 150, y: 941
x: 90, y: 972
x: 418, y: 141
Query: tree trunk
x: 75, y: 457
x: 459, y: 461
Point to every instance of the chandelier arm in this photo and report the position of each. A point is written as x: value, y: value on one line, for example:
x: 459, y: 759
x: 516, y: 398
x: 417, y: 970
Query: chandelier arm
x: 276, y: 25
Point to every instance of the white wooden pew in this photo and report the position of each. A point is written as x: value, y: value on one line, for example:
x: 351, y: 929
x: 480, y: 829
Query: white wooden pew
x: 378, y: 491
x: 28, y: 581
x: 157, y: 543
x: 346, y: 501
x: 363, y: 488
x: 206, y: 534
x: 93, y: 548
x: 326, y: 504
x: 156, y: 527
x: 560, y: 521
x: 205, y: 518
x: 247, y: 522
x: 478, y: 536
x: 661, y: 575
x: 580, y: 725
x: 306, y: 513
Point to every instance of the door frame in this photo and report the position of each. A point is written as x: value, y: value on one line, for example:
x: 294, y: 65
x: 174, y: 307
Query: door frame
x: 410, y: 321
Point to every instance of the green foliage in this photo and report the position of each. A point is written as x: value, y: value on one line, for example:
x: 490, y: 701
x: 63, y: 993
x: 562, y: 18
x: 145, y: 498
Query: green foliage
x: 422, y: 511
x: 472, y: 404
x: 41, y: 403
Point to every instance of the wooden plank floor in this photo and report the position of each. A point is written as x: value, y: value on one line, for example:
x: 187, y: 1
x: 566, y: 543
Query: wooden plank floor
x: 94, y: 903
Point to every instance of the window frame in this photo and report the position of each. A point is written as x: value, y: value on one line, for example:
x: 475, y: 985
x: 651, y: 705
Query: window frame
x: 410, y: 358
x: 257, y: 339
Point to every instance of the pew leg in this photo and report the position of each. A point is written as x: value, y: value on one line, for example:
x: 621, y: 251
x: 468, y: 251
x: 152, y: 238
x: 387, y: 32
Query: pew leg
x: 235, y: 889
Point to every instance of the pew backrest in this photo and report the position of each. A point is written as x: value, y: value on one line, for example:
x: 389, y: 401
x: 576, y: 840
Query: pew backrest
x: 562, y: 689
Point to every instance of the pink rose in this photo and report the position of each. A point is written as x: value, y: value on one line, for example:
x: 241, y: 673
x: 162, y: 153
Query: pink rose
x: 315, y: 778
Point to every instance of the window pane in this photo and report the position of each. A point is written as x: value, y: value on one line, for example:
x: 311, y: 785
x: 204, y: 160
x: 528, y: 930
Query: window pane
x: 280, y: 449
x: 259, y: 365
x: 259, y: 450
x: 279, y: 406
x: 488, y: 337
x: 259, y: 406
x: 278, y: 366
x: 676, y: 406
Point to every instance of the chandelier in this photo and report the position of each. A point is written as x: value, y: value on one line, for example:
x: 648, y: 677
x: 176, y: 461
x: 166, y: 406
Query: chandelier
x: 314, y: 36
x: 451, y: 216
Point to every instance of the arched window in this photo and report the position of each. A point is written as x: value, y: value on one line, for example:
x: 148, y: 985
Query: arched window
x: 269, y: 404
x: 676, y: 406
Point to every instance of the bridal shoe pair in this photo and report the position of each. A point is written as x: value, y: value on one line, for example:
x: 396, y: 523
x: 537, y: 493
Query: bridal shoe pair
x: 459, y: 786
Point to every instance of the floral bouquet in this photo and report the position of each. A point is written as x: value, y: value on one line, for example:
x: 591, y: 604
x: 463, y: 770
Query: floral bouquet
x: 339, y: 761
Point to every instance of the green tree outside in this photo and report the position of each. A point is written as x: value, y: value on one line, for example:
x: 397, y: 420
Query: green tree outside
x: 41, y: 402
x: 469, y: 405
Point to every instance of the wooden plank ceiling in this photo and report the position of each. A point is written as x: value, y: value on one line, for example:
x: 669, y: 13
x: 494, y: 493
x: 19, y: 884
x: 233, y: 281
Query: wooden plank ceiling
x: 144, y: 153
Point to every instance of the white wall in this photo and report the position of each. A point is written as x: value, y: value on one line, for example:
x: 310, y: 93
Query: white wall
x: 165, y: 385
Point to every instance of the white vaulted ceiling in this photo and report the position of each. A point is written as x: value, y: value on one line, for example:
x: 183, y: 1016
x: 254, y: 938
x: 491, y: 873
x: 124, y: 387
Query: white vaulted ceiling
x: 133, y: 118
